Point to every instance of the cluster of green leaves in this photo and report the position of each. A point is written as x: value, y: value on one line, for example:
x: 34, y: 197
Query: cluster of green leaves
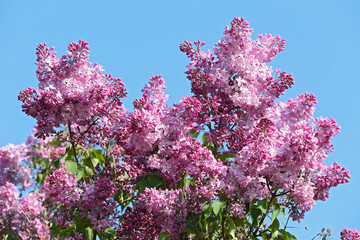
x: 85, y: 167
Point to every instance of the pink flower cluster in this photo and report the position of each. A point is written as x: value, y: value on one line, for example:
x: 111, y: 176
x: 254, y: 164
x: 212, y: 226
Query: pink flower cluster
x: 62, y: 187
x: 13, y: 166
x: 71, y: 90
x: 347, y: 234
x: 158, y: 138
x: 93, y: 202
x: 97, y: 203
x: 25, y: 217
x: 156, y: 210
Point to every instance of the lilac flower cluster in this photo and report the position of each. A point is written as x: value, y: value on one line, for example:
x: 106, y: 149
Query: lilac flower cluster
x: 93, y: 202
x: 156, y: 210
x: 348, y: 234
x: 13, y: 161
x: 71, y: 90
x: 24, y: 216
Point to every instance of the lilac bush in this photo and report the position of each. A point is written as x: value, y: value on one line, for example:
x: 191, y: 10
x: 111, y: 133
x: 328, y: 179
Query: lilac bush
x: 212, y: 166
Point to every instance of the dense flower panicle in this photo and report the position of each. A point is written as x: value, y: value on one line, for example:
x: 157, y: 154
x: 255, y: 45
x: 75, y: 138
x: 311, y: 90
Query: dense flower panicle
x: 71, y: 89
x: 348, y: 234
x: 145, y: 123
x: 25, y: 216
x: 157, y: 211
x: 62, y: 187
x: 158, y: 138
x: 9, y: 197
x: 97, y: 203
x: 234, y: 85
x: 329, y: 177
x: 14, y: 167
x: 94, y: 202
x: 138, y: 225
x: 33, y: 217
x: 325, y: 130
x: 163, y: 205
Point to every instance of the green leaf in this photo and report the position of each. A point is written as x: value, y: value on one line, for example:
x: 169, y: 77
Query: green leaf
x: 55, y: 141
x: 45, y: 163
x: 68, y: 148
x: 218, y: 207
x: 192, y: 220
x: 284, y: 234
x: 291, y: 237
x: 71, y: 167
x: 210, y: 146
x: 231, y: 227
x: 255, y: 212
x: 94, y: 162
x: 188, y: 181
x: 69, y: 153
x: 155, y: 181
x: 88, y: 172
x: 263, y: 205
x: 123, y: 198
x: 204, y: 138
x: 90, y: 161
x: 274, y: 188
x: 58, y: 231
x: 89, y: 233
x: 282, y: 211
x: 225, y: 156
x: 150, y: 181
x: 97, y: 153
x: 80, y: 173
x: 110, y: 233
x: 8, y: 234
x: 187, y: 230
x: 81, y: 224
x: 40, y: 178
x: 57, y: 163
x: 193, y: 133
x: 276, y: 211
x: 275, y: 227
x: 207, y: 210
x: 164, y: 236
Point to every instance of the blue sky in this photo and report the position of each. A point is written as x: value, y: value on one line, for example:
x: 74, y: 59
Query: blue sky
x: 137, y: 39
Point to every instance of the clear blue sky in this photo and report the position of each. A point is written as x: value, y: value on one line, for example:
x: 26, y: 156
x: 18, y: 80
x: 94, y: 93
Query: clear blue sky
x: 136, y: 39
